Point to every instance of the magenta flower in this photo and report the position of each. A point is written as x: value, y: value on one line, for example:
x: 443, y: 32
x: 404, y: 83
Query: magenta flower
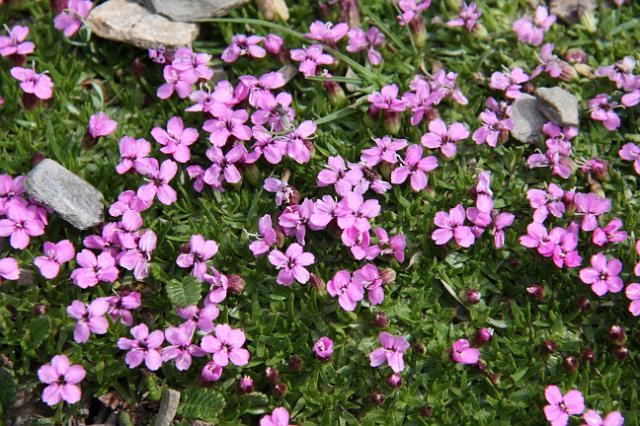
x: 463, y: 353
x: 70, y: 20
x: 326, y: 32
x: 203, y: 317
x: 590, y: 206
x: 226, y: 346
x: 15, y: 44
x: 272, y: 148
x: 292, y: 264
x: 335, y: 173
x: 224, y: 168
x: 348, y: 292
x: 391, y: 352
x: 412, y: 10
x: 144, y: 346
x: 452, y: 225
x: 298, y: 142
x: 561, y: 407
x: 592, y: 418
x: 422, y: 102
x: 274, y: 44
x: 211, y: 372
x: 278, y: 417
x: 128, y: 201
x: 564, y: 244
x: 10, y: 189
x: 467, y: 17
x: 385, y: 151
x: 93, y: 270
x: 295, y: 218
x: 100, y: 125
x: 603, y: 275
x: 324, y: 212
x: 354, y: 211
x: 176, y: 139
x: 369, y: 278
x: 603, y: 110
x: 545, y: 202
x: 631, y: 152
x: 200, y: 250
x: 416, y: 167
x: 323, y: 348
x: 532, y: 32
x: 159, y: 177
x: 358, y: 242
x: 243, y: 45
x: 137, y: 258
x: 310, y: 59
x: 261, y: 87
x: 284, y: 192
x: 55, y: 254
x: 9, y: 269
x: 121, y: 306
x: 39, y: 85
x: 228, y: 124
x: 218, y: 285
x: 391, y: 246
x: 509, y: 83
x: 439, y: 137
x: 496, y: 124
x: 89, y: 318
x: 360, y: 40
x: 387, y: 99
x: 538, y: 237
x: 633, y: 293
x: 610, y: 234
x: 20, y: 224
x: 273, y: 111
x: 181, y: 348
x: 187, y: 61
x: 550, y: 63
x: 62, y: 379
x: 133, y: 154
x: 176, y: 81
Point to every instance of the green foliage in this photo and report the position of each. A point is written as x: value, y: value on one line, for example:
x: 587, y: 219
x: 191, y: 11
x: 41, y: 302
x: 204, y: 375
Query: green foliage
x: 200, y: 404
x: 7, y: 391
x: 184, y: 293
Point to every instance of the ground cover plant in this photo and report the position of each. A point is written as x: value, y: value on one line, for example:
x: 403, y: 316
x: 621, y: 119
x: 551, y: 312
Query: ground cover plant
x: 364, y: 242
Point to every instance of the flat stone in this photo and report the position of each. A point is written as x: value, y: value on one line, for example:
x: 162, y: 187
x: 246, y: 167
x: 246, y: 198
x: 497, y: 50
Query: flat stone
x: 129, y: 22
x: 527, y: 120
x: 192, y: 10
x: 571, y: 11
x: 558, y: 105
x: 168, y: 407
x: 288, y: 71
x: 72, y: 198
x: 273, y: 9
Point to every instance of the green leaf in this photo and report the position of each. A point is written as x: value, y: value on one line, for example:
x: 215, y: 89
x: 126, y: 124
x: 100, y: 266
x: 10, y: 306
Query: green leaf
x: 254, y: 403
x: 184, y: 293
x: 202, y: 404
x: 7, y: 391
x: 39, y: 329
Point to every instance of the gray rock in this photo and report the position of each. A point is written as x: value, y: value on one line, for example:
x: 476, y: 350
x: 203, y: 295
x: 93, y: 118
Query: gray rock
x: 273, y: 9
x: 168, y: 407
x: 571, y: 11
x: 288, y: 72
x: 72, y: 198
x: 192, y: 10
x: 558, y: 106
x: 527, y: 120
x: 129, y: 22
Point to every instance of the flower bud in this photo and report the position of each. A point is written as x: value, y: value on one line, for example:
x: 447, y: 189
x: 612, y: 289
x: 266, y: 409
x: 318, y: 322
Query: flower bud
x: 252, y: 173
x: 211, y: 372
x: 576, y: 56
x: 294, y: 198
x: 392, y: 122
x: 419, y: 348
x: 584, y: 305
x: 387, y: 275
x: 483, y: 336
x: 426, y: 411
x: 621, y: 353
x: 280, y: 389
x: 589, y: 21
x: 30, y: 101
x: 617, y: 335
x: 472, y: 296
x: 350, y: 13
x: 37, y: 157
x: 137, y: 68
x: 570, y: 364
x: 58, y: 6
x: 40, y: 310
x: 235, y: 284
x: 377, y: 398
x: 335, y: 92
x: 584, y: 70
x: 245, y: 384
x: 419, y: 32
x: 394, y: 380
x: 537, y: 292
x: 549, y: 346
x: 568, y: 72
x: 588, y: 355
x: 380, y: 320
x: 481, y: 366
x: 317, y: 283
x: 271, y: 374
x: 295, y: 363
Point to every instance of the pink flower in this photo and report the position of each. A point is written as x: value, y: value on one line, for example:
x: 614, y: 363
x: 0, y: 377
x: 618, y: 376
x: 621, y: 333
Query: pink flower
x: 33, y: 83
x: 298, y: 142
x: 10, y: 189
x: 292, y: 264
x: 228, y: 124
x: 243, y: 45
x: 387, y: 99
x: 176, y: 81
x: 564, y: 244
x: 412, y: 10
x: 144, y: 346
x: 324, y: 212
x: 273, y: 148
x: 323, y: 348
x: 274, y: 112
x: 187, y: 61
x: 463, y: 353
x: 561, y: 407
x: 391, y: 352
x: 360, y: 40
x: 55, y: 254
x: 62, y: 379
x: 439, y: 137
x: 93, y: 270
x: 354, y: 211
x: 391, y: 246
x: 226, y: 346
x: 9, y: 269
x: 89, y: 318
x: 609, y: 234
x: 592, y: 418
x: 203, y: 318
x: 70, y: 21
x: 531, y: 32
x: 550, y: 63
x: 181, y: 349
x: 603, y: 110
x: 121, y: 306
x: 176, y: 139
x: 260, y: 87
x: 295, y: 218
x: 273, y: 44
x: 100, y: 125
x: 358, y: 242
x: 545, y: 202
x: 326, y: 32
x: 278, y: 417
x: 137, y: 258
x: 500, y: 222
x: 159, y: 177
x: 590, y: 206
x: 633, y: 293
x: 496, y: 124
x: 603, y: 275
x: 15, y: 44
x: 538, y: 237
x: 348, y: 292
x: 452, y: 226
x: 385, y: 151
x: 467, y: 17
x: 284, y: 192
x: 416, y: 167
x: 369, y: 278
x: 218, y: 285
x: 224, y: 168
x: 128, y: 201
x: 200, y: 250
x: 509, y: 83
x: 310, y: 58
x: 335, y: 173
x: 631, y: 152
x: 211, y: 372
x: 20, y: 224
x: 133, y: 154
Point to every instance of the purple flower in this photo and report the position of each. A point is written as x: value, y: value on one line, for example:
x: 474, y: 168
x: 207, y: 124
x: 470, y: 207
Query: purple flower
x: 550, y: 63
x: 348, y: 292
x: 610, y: 234
x: 620, y: 73
x: 260, y: 87
x: 133, y: 154
x: 369, y: 278
x: 176, y: 81
x: 200, y: 250
x: 294, y: 219
x: 603, y: 275
x: 181, y: 348
x: 273, y: 111
x: 274, y: 44
x: 385, y: 151
x: 439, y: 137
x: 421, y: 103
x: 509, y: 83
x: 55, y: 254
x: 298, y: 142
x: 545, y: 202
x: 93, y: 270
x: 70, y: 21
x: 202, y: 317
x: 39, y: 85
x: 590, y: 206
x: 243, y: 45
x: 284, y: 192
x: 358, y: 242
x: 20, y: 224
x: 387, y: 99
x: 226, y: 346
x: 9, y: 269
x: 144, y: 346
x: 224, y: 168
x: 10, y: 189
x: 323, y: 348
x: 463, y: 353
x: 467, y: 17
x: 452, y: 225
x: 354, y: 211
x: 121, y: 306
x: 273, y: 148
x: 292, y: 264
x: 532, y: 32
x: 561, y: 407
x: 228, y: 124
x: 187, y: 61
x: 412, y: 10
x: 631, y: 152
x: 602, y: 110
x: 15, y: 44
x: 592, y: 418
x: 211, y: 372
x: 267, y: 237
x: 324, y: 212
x: 391, y: 352
x: 564, y: 243
x: 62, y: 379
x: 159, y: 177
x: 335, y: 173
x: 128, y: 201
x: 310, y: 58
x: 137, y: 258
x: 416, y: 167
x: 278, y: 417
x: 89, y: 318
x: 360, y: 40
x: 326, y: 32
x: 176, y: 139
x: 633, y: 293
x: 496, y: 124
x: 101, y: 125
x: 391, y: 246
